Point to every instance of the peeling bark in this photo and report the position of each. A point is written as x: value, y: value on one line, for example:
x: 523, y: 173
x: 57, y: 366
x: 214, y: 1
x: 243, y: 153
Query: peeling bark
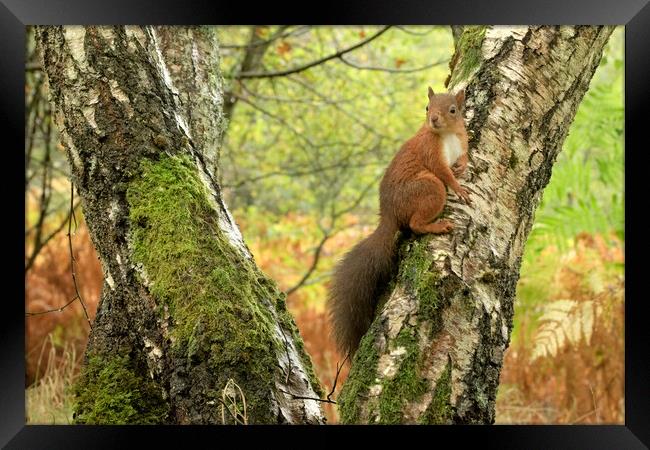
x: 435, y: 349
x: 183, y: 309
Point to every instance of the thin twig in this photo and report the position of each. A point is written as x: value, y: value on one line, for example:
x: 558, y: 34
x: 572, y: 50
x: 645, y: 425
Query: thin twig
x: 46, y: 193
x: 72, y: 259
x: 388, y: 69
x: 415, y: 33
x: 77, y: 296
x: 584, y: 416
x: 28, y: 313
x: 224, y: 406
x: 328, y: 399
x: 301, y: 172
x: 299, y: 397
x: 338, y: 372
x: 233, y: 399
x: 295, y: 32
x: 313, y: 266
x: 338, y: 54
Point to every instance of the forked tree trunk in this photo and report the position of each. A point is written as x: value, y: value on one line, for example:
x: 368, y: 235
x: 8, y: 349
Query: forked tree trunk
x: 184, y: 309
x: 435, y: 349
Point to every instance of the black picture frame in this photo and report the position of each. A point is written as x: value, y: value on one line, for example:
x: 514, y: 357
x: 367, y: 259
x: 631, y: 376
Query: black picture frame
x: 634, y: 14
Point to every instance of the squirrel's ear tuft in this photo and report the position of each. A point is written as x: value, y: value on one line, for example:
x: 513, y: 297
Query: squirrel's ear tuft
x: 460, y: 97
x: 430, y: 92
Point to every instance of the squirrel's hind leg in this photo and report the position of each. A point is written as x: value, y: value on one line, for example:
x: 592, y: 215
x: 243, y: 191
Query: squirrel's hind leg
x: 428, y: 204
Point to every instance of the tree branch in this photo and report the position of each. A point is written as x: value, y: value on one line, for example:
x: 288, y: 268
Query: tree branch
x: 304, y: 67
x: 313, y: 266
x: 387, y: 69
x: 278, y: 35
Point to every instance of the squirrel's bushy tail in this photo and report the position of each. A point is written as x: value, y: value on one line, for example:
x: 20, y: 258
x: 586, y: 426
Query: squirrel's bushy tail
x: 355, y: 285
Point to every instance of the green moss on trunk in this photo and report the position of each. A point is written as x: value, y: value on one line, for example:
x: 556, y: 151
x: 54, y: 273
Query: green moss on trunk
x: 112, y: 391
x: 421, y: 282
x: 217, y: 300
x: 468, y: 53
x: 362, y: 375
x: 439, y: 410
x: 407, y: 385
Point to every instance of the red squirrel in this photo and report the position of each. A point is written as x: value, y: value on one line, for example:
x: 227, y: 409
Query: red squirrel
x: 412, y: 195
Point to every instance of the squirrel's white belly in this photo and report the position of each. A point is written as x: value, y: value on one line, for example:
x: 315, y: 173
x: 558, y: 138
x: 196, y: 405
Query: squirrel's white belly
x: 451, y: 148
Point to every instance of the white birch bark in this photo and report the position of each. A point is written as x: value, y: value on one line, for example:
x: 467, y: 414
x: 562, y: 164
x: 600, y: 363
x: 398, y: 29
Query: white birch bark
x: 184, y: 309
x: 435, y: 349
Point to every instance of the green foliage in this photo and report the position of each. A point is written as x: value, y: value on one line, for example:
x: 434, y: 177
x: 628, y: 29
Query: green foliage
x: 316, y: 139
x: 585, y: 193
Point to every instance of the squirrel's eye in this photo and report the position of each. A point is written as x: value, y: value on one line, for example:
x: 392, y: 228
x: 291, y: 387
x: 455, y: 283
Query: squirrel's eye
x: 452, y: 109
x: 427, y: 108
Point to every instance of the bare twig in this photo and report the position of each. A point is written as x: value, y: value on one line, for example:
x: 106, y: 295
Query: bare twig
x: 328, y: 399
x: 360, y: 198
x: 226, y: 393
x: 415, y: 33
x: 46, y: 191
x: 47, y: 239
x: 388, y: 69
x: 61, y: 308
x: 311, y: 64
x: 280, y: 34
x: 72, y: 268
x: 338, y: 372
x: 584, y: 416
x: 336, y: 106
x: 73, y: 260
x: 300, y: 397
x: 225, y: 407
x: 300, y: 173
x: 313, y: 266
x: 278, y: 119
x: 32, y: 109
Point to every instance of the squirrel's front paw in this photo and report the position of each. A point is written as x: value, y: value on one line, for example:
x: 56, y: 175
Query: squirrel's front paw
x: 458, y: 171
x: 463, y: 194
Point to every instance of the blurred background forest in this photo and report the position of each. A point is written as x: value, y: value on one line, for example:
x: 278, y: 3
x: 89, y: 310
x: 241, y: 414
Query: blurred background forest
x: 315, y: 114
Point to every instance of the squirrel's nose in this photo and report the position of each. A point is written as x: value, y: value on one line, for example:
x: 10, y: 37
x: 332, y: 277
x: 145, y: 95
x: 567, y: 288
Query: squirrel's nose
x: 434, y: 118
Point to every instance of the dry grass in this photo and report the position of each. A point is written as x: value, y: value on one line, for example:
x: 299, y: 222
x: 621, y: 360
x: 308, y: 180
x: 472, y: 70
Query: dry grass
x: 48, y: 401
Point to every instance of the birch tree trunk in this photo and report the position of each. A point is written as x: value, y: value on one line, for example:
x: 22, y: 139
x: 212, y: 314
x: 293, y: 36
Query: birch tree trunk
x: 435, y: 349
x: 184, y: 309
